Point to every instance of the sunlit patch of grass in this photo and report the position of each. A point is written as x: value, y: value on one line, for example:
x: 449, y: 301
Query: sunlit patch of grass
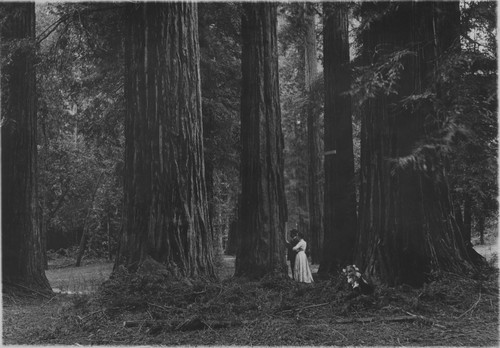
x: 83, y: 279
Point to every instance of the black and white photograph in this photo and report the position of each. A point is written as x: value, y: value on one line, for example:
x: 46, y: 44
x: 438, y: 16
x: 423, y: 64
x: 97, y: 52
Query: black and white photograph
x: 249, y: 173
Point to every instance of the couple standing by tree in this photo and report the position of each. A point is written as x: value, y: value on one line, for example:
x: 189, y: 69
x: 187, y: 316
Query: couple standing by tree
x: 298, y: 258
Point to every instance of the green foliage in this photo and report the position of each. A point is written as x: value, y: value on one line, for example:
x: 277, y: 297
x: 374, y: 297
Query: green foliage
x: 219, y: 28
x: 460, y: 101
x: 380, y: 77
x: 80, y: 124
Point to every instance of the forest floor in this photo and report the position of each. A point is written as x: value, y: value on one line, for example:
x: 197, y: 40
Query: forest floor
x: 450, y: 311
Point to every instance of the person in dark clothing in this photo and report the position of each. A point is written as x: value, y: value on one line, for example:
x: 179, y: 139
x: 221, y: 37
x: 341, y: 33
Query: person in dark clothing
x: 291, y: 254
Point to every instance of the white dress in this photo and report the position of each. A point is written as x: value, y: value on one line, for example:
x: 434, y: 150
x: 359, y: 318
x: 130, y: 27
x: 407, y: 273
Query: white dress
x: 302, y: 270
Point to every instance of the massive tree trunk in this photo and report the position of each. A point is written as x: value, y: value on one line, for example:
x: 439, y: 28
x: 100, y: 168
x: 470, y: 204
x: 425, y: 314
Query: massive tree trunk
x: 166, y: 214
x: 263, y: 205
x: 340, y: 191
x: 22, y: 259
x: 313, y: 137
x: 407, y: 229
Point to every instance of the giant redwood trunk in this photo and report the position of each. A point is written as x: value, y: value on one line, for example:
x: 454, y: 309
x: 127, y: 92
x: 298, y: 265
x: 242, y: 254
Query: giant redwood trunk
x: 22, y: 260
x: 313, y: 137
x: 407, y: 228
x: 166, y: 215
x: 340, y: 195
x: 263, y: 206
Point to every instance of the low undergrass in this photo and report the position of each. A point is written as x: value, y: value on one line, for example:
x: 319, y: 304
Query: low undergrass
x: 157, y: 309
x: 79, y: 279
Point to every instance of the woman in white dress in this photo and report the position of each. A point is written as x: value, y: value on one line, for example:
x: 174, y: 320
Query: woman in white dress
x: 302, y: 270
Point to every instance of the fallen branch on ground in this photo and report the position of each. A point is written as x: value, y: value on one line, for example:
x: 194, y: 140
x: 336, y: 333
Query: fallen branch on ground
x: 471, y: 308
x: 90, y: 314
x: 187, y: 325
x: 306, y: 307
x: 404, y: 318
x: 29, y: 289
x: 166, y: 308
x: 53, y: 297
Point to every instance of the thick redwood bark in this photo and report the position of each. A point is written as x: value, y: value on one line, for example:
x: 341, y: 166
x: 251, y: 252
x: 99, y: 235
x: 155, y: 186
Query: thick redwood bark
x: 166, y: 214
x: 467, y: 231
x: 457, y: 210
x: 340, y: 195
x: 263, y: 206
x: 407, y: 228
x: 481, y: 222
x: 315, y: 202
x: 22, y: 259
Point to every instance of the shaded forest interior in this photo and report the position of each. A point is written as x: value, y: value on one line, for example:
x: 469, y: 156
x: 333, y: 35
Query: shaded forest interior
x: 180, y: 132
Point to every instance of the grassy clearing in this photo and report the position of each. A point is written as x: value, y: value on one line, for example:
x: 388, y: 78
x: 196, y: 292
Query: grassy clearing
x: 84, y: 279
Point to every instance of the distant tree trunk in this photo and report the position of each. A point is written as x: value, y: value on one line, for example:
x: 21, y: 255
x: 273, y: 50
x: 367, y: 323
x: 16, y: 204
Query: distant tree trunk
x: 108, y: 230
x: 234, y: 235
x: 207, y: 87
x: 263, y: 205
x: 231, y: 244
x: 313, y: 137
x: 85, y: 232
x: 22, y: 259
x: 481, y: 221
x: 166, y: 212
x: 467, y: 231
x: 407, y: 229
x: 302, y: 205
x: 340, y: 191
x: 43, y: 235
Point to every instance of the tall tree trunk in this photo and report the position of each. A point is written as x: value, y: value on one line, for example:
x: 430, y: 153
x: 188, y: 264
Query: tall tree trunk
x: 166, y: 213
x: 263, y: 205
x: 407, y: 227
x: 340, y: 191
x: 459, y: 217
x: 207, y: 86
x: 234, y: 234
x: 43, y: 233
x: 85, y: 232
x: 467, y: 231
x: 22, y: 259
x: 481, y: 222
x: 108, y: 234
x: 313, y: 136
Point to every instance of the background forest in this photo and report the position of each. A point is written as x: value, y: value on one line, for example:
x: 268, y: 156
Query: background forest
x: 81, y: 106
x: 180, y: 143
